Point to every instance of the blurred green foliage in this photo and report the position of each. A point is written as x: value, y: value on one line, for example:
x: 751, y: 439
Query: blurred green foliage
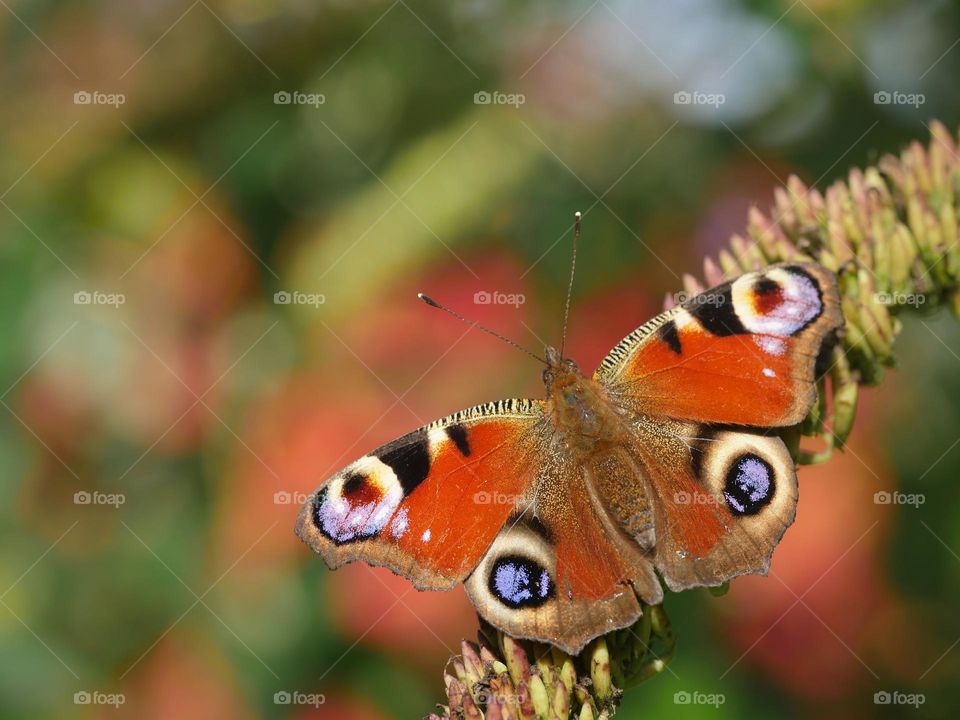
x: 199, y: 396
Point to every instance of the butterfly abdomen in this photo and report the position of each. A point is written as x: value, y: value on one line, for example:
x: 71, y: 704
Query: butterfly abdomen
x: 618, y: 481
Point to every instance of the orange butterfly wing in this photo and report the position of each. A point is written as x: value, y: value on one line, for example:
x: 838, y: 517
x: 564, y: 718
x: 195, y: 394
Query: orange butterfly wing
x: 742, y: 353
x: 721, y: 499
x: 489, y: 497
x: 429, y: 504
x: 560, y: 571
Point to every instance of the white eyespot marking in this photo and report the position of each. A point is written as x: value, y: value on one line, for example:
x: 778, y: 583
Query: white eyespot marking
x: 769, y: 373
x: 770, y: 345
x: 778, y: 302
x: 426, y: 536
x: 359, y: 502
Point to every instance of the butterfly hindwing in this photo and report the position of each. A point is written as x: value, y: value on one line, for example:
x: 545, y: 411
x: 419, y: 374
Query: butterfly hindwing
x: 561, y: 570
x: 721, y: 498
x: 741, y: 353
x: 429, y: 504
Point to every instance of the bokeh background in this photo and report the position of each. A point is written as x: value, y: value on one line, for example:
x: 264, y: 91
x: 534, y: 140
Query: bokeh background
x: 165, y: 410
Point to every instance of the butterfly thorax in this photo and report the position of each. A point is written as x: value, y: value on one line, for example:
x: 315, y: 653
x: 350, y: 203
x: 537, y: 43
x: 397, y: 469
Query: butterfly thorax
x: 578, y: 405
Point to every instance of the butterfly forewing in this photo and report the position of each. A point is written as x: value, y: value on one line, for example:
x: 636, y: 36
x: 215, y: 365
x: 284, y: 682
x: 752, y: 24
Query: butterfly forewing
x: 429, y: 504
x: 742, y: 353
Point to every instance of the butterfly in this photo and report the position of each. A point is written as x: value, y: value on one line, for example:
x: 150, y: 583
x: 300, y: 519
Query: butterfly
x: 560, y: 515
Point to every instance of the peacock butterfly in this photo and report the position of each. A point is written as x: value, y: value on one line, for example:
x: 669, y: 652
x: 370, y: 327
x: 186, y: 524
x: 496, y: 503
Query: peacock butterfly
x: 558, y: 514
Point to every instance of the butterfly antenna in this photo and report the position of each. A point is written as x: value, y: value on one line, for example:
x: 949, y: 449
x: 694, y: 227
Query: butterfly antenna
x: 573, y: 266
x: 473, y: 323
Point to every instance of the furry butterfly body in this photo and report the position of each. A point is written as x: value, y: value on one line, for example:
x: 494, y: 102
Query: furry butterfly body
x: 559, y: 514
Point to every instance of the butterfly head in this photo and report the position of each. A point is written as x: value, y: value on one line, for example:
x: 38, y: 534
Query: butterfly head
x: 560, y: 371
x: 573, y: 399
